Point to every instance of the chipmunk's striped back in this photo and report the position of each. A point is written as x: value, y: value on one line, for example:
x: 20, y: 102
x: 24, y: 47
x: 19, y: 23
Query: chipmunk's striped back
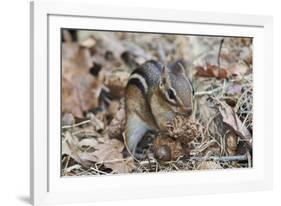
x: 146, y: 76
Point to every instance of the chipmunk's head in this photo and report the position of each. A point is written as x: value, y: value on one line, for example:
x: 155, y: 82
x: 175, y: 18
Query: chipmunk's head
x: 176, y: 89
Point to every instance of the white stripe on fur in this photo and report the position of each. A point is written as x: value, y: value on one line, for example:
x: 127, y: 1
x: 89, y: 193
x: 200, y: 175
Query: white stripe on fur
x: 141, y: 79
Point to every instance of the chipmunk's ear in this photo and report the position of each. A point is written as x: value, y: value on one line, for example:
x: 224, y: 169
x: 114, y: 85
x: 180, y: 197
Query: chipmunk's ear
x: 178, y: 69
x: 164, y: 75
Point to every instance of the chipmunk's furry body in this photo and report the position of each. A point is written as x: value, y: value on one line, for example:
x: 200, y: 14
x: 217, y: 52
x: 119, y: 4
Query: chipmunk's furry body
x: 154, y: 94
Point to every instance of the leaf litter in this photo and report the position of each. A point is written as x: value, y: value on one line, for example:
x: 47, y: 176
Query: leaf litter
x: 95, y: 70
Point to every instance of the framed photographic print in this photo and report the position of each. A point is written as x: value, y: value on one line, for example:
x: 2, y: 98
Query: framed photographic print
x: 167, y: 104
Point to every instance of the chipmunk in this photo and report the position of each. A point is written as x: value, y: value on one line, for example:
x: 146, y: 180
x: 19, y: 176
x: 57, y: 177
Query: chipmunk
x: 153, y: 95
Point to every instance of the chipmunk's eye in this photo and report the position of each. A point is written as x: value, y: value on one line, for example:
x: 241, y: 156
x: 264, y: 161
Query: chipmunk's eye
x: 171, y: 94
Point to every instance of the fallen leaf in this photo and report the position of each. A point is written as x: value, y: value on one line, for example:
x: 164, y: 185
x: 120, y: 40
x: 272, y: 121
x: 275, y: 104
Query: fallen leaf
x: 70, y: 148
x: 212, y: 71
x: 122, y: 166
x: 80, y: 90
x: 232, y: 120
x: 110, y: 149
x: 88, y: 142
x: 110, y: 155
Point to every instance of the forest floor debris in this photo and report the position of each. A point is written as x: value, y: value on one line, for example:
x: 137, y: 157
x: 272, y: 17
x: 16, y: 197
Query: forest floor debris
x: 95, y: 70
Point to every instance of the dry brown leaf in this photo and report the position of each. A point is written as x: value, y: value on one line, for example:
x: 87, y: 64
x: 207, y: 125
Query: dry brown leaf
x: 122, y: 166
x: 70, y: 148
x: 88, y: 142
x: 75, y: 59
x: 110, y: 155
x: 70, y: 102
x: 232, y: 120
x: 237, y: 70
x: 80, y: 90
x: 80, y: 94
x: 212, y: 71
x: 109, y: 150
x: 88, y: 157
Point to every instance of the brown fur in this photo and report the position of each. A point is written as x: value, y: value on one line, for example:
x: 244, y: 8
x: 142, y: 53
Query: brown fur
x: 139, y: 107
x: 161, y: 109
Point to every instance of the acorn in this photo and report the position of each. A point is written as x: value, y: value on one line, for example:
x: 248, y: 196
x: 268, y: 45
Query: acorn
x: 174, y: 143
x: 166, y: 148
x: 231, y: 143
x: 163, y: 153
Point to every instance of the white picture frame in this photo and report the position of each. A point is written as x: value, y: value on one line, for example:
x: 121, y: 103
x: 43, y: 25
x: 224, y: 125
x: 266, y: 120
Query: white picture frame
x: 47, y: 18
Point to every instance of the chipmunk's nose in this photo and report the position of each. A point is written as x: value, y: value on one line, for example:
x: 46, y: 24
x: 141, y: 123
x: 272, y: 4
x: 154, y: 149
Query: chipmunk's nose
x: 188, y: 111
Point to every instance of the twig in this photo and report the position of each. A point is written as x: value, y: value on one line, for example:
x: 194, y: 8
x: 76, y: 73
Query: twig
x: 125, y: 143
x: 87, y: 133
x: 200, y: 159
x: 147, y: 162
x: 161, y: 52
x: 99, y: 171
x: 222, y: 158
x: 249, y: 159
x: 204, y: 146
x: 219, y: 53
x: 111, y: 161
x: 67, y: 161
x: 238, y: 104
x: 76, y: 125
x: 209, y: 92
